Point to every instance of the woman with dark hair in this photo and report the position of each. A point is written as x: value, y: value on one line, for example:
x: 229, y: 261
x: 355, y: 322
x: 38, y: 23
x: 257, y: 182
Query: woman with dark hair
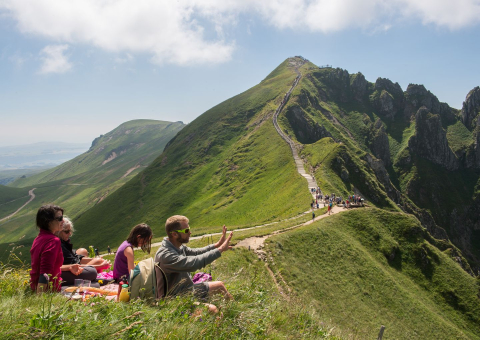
x: 46, y: 252
x: 140, y: 236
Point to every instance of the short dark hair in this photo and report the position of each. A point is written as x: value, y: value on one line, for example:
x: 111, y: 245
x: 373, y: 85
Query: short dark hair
x: 145, y: 232
x: 174, y: 223
x: 46, y: 214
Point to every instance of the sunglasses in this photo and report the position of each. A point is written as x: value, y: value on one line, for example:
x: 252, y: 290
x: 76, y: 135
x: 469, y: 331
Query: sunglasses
x: 59, y: 218
x: 67, y: 232
x: 186, y: 231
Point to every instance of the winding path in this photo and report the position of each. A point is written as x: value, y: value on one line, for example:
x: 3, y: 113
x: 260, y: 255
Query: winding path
x: 32, y: 196
x: 298, y: 161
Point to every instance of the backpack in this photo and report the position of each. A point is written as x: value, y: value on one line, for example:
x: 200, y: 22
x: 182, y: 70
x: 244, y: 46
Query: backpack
x: 144, y: 280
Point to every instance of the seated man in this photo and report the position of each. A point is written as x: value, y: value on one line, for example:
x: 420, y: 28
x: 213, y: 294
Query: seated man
x: 177, y: 261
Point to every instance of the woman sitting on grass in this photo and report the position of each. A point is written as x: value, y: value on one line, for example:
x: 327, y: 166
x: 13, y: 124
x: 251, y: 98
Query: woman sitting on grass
x: 140, y: 236
x: 90, y: 266
x: 46, y: 253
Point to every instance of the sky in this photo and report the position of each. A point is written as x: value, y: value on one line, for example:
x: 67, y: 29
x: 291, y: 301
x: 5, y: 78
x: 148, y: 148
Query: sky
x: 71, y: 70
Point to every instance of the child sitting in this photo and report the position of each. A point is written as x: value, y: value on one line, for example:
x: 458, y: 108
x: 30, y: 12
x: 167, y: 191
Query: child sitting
x: 140, y: 236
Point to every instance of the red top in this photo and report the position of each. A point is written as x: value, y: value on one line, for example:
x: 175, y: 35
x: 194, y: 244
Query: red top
x: 47, y: 257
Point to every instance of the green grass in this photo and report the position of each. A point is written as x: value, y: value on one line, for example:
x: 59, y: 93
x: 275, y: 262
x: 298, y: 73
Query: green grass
x: 353, y: 279
x: 258, y: 312
x: 330, y: 159
x: 459, y: 137
x: 83, y: 182
x: 229, y: 166
x: 11, y: 199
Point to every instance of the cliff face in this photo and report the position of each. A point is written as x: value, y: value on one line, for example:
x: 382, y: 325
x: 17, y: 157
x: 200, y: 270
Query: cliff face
x: 430, y: 140
x: 419, y: 149
x: 306, y: 130
x: 471, y: 109
x: 378, y: 142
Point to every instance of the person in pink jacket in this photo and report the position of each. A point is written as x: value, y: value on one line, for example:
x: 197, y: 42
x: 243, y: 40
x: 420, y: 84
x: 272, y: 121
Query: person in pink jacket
x: 46, y: 252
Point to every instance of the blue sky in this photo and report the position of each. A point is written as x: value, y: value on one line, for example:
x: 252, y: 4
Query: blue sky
x: 72, y: 72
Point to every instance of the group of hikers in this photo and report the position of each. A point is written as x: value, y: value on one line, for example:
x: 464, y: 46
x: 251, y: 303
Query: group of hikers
x: 332, y: 199
x: 56, y: 263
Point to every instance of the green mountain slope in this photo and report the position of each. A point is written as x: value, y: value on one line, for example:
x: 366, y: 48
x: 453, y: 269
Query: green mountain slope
x: 11, y: 199
x: 84, y: 181
x: 227, y: 166
x: 429, y: 157
x: 369, y: 267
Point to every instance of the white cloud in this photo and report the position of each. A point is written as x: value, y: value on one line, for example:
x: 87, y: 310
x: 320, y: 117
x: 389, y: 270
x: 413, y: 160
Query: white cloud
x: 19, y: 60
x: 119, y: 60
x: 54, y: 60
x: 197, y: 31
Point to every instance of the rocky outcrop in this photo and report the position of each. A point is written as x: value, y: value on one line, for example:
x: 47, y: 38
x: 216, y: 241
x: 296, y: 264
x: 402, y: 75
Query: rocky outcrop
x: 418, y: 96
x: 306, y: 130
x: 430, y: 140
x: 388, y: 98
x: 378, y: 142
x: 358, y: 85
x: 471, y: 109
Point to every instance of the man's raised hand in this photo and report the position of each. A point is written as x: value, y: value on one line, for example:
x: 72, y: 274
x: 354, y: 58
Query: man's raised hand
x: 226, y: 245
x: 222, y: 239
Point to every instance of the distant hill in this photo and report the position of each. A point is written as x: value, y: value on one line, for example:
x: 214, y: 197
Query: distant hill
x: 84, y: 181
x: 38, y: 154
x: 9, y: 176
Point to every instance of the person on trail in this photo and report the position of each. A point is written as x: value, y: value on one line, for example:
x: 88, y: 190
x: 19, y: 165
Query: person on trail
x: 140, y: 236
x: 109, y: 250
x: 313, y: 215
x: 177, y: 261
x: 330, y: 208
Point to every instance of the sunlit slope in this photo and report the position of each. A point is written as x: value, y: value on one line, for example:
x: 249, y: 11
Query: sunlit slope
x: 229, y: 166
x: 112, y: 154
x: 11, y: 199
x: 366, y: 268
x: 135, y: 144
x: 378, y: 120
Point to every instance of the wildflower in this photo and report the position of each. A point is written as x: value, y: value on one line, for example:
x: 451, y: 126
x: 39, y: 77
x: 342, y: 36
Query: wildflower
x: 100, y: 281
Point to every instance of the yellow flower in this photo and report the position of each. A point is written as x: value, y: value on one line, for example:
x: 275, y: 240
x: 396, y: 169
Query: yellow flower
x: 100, y: 281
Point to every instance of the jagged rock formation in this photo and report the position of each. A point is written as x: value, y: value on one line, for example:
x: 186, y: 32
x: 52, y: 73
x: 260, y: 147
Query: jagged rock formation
x: 430, y: 140
x: 418, y: 96
x: 378, y: 142
x: 306, y: 130
x: 388, y: 98
x: 471, y: 109
x: 358, y: 84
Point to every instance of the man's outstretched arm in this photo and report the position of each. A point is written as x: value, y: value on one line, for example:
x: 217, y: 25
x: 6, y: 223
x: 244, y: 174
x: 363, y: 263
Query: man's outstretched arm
x: 198, y: 251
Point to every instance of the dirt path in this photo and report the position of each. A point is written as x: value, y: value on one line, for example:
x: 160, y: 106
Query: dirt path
x: 255, y: 243
x: 32, y: 197
x: 298, y: 161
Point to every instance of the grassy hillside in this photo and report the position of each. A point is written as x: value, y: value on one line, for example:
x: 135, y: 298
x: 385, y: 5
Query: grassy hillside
x: 11, y: 199
x: 229, y: 166
x: 86, y: 180
x: 369, y: 267
x: 379, y: 119
x: 125, y: 146
x: 258, y: 311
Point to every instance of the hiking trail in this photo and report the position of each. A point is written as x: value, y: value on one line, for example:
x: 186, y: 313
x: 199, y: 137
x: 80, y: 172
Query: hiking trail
x: 32, y: 196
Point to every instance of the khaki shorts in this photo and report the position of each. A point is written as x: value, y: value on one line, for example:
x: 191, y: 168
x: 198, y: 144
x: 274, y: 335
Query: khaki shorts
x: 200, y: 290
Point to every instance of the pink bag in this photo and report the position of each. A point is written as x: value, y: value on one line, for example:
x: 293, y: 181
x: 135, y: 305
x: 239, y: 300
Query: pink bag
x: 201, y: 277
